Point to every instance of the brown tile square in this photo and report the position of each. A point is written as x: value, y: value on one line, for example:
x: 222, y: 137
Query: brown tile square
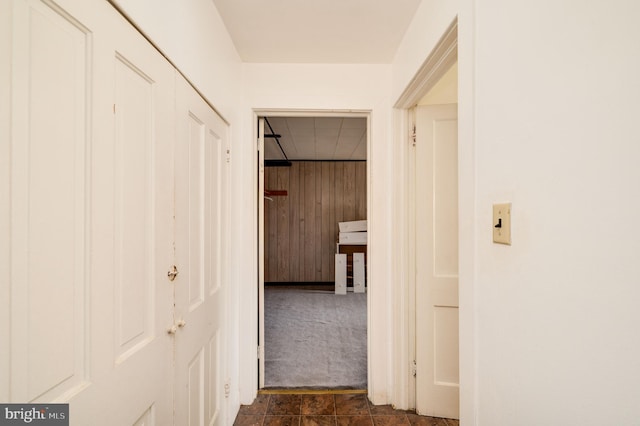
x: 381, y: 410
x: 318, y: 405
x: 395, y: 420
x: 281, y: 420
x: 259, y: 406
x: 281, y: 405
x: 352, y: 404
x: 417, y: 420
x: 453, y: 422
x: 318, y: 421
x: 248, y: 420
x: 354, y: 421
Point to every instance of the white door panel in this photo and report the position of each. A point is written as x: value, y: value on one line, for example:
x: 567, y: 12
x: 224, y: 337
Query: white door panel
x: 91, y: 208
x: 436, y: 224
x: 50, y: 227
x: 5, y: 196
x: 132, y: 299
x: 201, y: 180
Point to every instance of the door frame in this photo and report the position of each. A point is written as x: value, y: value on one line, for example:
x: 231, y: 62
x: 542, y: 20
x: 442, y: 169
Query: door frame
x: 259, y: 288
x: 441, y: 58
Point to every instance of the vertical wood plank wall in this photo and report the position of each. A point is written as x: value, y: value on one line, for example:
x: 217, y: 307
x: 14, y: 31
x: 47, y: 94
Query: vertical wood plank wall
x: 301, y: 229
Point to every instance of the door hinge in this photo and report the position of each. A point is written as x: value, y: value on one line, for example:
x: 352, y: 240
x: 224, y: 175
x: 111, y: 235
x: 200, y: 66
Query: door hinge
x: 228, y: 155
x: 413, y: 136
x: 114, y: 108
x: 414, y: 368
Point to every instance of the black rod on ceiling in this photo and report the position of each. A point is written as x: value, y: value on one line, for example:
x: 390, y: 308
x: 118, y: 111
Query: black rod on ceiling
x: 276, y: 137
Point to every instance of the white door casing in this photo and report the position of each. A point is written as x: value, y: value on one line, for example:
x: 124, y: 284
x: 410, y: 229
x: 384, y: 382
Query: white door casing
x: 261, y: 201
x: 436, y: 224
x: 201, y: 180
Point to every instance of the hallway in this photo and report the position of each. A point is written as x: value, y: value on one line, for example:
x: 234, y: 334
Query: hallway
x: 330, y: 409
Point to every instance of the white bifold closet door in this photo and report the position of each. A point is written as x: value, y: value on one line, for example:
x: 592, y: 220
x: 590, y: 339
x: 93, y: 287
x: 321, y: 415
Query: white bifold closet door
x: 114, y: 173
x: 200, y: 293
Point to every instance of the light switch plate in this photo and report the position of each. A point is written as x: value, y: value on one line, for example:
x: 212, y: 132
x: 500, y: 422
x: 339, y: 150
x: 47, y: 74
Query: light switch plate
x: 502, y: 223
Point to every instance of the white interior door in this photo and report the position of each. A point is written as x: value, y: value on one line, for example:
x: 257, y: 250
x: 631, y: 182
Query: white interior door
x: 260, y: 201
x: 200, y: 291
x: 92, y: 128
x: 436, y: 224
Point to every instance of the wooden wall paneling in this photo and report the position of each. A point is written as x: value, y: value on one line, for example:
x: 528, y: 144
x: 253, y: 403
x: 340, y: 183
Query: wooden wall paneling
x: 338, y: 193
x: 333, y: 223
x: 294, y: 222
x: 301, y: 211
x: 361, y: 190
x: 328, y: 260
x: 271, y: 228
x: 338, y: 189
x: 318, y: 221
x: 349, y: 191
x: 273, y: 206
x: 310, y: 222
x: 283, y: 244
x: 301, y: 229
x: 267, y: 248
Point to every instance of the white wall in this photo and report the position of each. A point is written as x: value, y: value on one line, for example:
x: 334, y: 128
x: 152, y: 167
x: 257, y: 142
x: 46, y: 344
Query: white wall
x: 557, y: 108
x: 344, y: 88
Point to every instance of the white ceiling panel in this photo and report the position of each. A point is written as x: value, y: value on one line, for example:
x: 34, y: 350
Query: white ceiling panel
x: 351, y: 123
x: 321, y: 138
x: 327, y: 132
x: 351, y: 133
x: 361, y: 149
x: 328, y: 122
x: 271, y: 151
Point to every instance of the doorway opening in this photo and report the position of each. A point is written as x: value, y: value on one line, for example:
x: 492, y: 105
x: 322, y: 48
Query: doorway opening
x: 312, y: 309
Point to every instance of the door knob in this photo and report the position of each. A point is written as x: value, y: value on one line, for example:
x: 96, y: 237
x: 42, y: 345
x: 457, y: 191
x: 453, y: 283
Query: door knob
x: 175, y: 327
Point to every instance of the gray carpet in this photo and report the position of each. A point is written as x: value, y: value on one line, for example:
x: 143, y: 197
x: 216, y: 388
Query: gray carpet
x: 315, y: 339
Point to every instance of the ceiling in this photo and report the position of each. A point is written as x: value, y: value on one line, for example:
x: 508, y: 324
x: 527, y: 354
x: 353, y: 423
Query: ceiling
x: 317, y: 138
x: 317, y: 31
x: 311, y: 31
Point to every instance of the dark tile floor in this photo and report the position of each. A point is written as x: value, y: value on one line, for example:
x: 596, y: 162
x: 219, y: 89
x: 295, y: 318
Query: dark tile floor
x: 328, y: 409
